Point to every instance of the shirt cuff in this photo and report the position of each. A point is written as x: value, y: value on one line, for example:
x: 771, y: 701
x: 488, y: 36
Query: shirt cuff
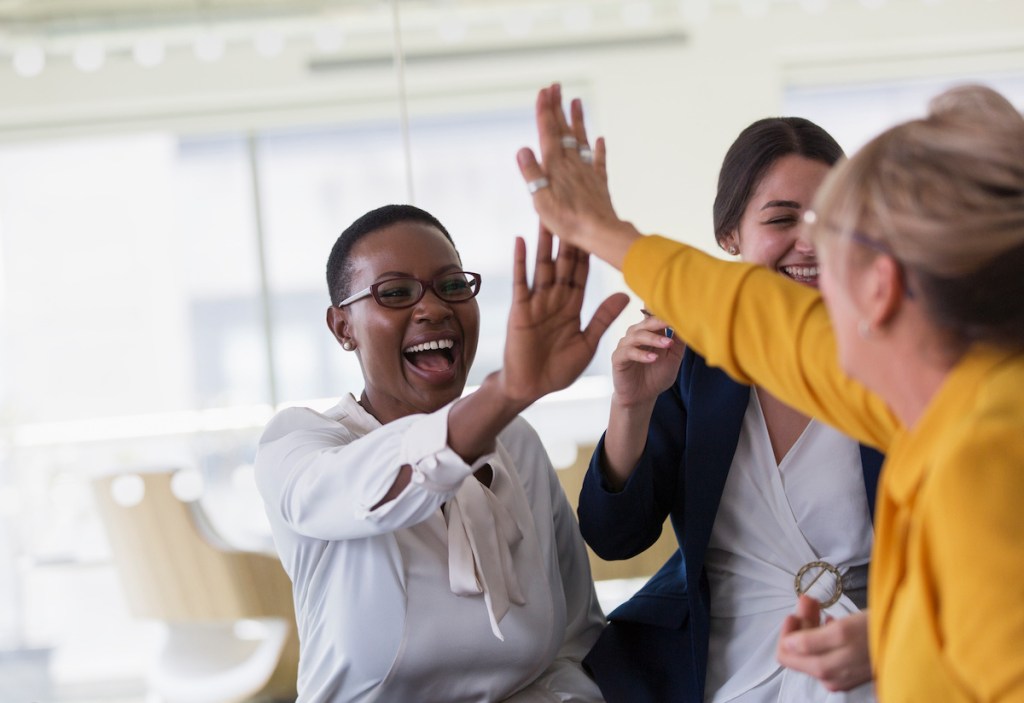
x: 434, y: 465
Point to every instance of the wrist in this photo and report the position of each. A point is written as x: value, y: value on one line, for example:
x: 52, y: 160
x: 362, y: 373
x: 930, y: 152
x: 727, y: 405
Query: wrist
x: 498, y: 390
x: 633, y: 406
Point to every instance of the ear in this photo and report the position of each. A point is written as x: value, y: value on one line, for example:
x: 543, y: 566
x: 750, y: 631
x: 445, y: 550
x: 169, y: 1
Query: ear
x: 731, y: 243
x: 886, y: 291
x: 337, y: 322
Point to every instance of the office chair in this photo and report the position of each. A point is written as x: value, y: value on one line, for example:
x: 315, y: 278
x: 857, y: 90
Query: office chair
x: 229, y: 615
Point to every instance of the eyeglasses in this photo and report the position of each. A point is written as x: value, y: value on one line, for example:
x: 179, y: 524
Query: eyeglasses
x: 406, y: 291
x: 811, y: 218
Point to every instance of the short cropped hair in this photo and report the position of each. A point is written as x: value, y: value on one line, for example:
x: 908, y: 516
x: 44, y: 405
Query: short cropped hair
x: 339, y: 269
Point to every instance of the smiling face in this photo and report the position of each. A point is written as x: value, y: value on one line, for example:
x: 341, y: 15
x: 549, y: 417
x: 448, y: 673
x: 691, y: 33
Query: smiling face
x: 771, y: 232
x: 402, y: 371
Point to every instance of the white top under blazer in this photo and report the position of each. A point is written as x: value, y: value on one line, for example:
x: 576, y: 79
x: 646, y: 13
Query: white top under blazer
x: 487, y: 599
x: 773, y: 519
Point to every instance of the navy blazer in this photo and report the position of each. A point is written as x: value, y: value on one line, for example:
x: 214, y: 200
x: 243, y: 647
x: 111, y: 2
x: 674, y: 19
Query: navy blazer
x: 655, y: 647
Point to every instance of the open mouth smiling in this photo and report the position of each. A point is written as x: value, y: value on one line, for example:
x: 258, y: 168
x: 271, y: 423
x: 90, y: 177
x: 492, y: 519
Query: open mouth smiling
x: 802, y: 274
x: 436, y: 356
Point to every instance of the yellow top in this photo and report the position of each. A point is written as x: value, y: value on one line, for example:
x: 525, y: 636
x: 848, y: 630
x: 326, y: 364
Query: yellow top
x: 946, y: 591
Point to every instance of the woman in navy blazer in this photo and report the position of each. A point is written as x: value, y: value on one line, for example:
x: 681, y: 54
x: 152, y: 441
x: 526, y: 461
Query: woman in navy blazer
x: 672, y: 437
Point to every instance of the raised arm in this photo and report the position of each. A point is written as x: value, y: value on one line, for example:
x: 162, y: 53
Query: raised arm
x: 644, y: 364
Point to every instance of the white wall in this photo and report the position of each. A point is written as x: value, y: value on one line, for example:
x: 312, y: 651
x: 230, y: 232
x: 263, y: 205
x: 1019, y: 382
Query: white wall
x: 669, y: 108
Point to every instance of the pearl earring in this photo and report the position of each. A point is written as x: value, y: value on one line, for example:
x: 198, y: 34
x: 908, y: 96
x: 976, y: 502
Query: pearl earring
x: 864, y: 329
x: 733, y: 250
x: 348, y: 345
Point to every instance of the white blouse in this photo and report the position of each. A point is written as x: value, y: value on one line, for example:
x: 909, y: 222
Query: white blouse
x: 773, y: 519
x: 490, y: 599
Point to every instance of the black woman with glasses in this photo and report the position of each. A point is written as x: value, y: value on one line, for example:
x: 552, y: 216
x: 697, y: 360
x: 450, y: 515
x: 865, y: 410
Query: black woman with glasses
x: 432, y: 552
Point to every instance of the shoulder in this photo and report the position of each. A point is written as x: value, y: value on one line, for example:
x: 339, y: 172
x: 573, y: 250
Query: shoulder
x: 301, y: 419
x: 979, y: 465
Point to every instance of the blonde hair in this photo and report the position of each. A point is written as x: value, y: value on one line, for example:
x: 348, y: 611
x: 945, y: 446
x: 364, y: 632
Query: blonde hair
x: 944, y: 196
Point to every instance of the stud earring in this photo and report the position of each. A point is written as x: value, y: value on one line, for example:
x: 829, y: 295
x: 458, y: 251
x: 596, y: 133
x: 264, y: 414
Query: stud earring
x: 733, y: 251
x: 348, y: 345
x: 864, y: 329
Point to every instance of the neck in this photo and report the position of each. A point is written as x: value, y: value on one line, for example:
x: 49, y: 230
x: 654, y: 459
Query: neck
x: 909, y: 385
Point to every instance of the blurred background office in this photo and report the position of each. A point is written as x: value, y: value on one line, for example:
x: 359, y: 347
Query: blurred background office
x: 174, y: 172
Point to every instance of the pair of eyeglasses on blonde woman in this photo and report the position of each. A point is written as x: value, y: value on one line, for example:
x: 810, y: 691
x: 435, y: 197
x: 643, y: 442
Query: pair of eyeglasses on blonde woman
x: 811, y: 218
x: 406, y: 291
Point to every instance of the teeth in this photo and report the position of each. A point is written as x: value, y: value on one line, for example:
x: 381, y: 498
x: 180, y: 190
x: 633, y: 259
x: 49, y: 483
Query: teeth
x: 427, y: 346
x: 802, y: 271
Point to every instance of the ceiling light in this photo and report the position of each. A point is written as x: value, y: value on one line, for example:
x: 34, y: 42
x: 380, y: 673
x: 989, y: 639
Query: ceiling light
x: 209, y: 47
x: 29, y: 60
x: 128, y: 490
x: 148, y: 52
x: 187, y: 485
x: 269, y: 44
x: 89, y: 56
x: 328, y: 39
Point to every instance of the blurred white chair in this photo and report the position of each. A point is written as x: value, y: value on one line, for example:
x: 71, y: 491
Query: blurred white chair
x: 229, y: 614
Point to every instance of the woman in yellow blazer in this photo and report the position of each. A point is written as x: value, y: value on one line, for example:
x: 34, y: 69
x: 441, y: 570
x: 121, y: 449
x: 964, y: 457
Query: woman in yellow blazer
x: 914, y: 345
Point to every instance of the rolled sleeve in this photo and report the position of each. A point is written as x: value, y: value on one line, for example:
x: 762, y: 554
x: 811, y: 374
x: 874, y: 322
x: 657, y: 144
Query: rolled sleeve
x: 425, y: 448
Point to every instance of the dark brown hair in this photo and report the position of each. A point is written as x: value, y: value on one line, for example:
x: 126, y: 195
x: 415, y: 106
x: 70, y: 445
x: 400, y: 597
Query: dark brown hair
x: 754, y: 152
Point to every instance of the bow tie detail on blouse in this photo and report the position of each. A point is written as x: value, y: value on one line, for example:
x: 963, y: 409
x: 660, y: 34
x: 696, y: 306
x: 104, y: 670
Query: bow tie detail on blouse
x: 481, y: 535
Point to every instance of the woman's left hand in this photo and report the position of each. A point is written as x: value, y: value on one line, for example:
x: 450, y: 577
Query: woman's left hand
x: 569, y: 185
x: 546, y: 349
x: 835, y: 653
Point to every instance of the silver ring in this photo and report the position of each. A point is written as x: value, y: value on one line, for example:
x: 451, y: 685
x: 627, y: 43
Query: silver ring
x: 586, y: 154
x: 537, y: 184
x: 569, y: 142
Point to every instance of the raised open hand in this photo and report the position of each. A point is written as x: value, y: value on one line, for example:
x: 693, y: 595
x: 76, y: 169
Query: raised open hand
x: 569, y: 185
x: 545, y: 348
x: 645, y: 363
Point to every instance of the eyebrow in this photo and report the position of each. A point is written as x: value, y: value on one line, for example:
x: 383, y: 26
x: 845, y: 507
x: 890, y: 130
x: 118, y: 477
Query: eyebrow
x: 781, y: 203
x: 406, y: 274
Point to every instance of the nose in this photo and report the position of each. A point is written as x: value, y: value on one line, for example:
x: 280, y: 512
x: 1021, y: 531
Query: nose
x: 432, y: 308
x: 803, y: 243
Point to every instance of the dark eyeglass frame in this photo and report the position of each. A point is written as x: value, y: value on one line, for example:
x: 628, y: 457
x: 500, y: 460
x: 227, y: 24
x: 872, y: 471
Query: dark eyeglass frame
x: 474, y: 280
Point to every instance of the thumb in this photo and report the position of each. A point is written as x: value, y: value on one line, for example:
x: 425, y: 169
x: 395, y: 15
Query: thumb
x: 605, y: 315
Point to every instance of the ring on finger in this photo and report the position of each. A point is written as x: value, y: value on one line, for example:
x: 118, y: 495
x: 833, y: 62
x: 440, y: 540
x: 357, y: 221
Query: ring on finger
x: 537, y: 184
x: 569, y: 142
x: 586, y: 154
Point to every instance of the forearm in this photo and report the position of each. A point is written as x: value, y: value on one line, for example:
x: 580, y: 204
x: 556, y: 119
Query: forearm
x: 475, y: 421
x: 760, y: 329
x: 607, y: 239
x: 624, y: 441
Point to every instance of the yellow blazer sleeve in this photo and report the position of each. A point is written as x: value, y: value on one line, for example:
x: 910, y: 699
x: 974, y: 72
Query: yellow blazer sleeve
x: 760, y: 328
